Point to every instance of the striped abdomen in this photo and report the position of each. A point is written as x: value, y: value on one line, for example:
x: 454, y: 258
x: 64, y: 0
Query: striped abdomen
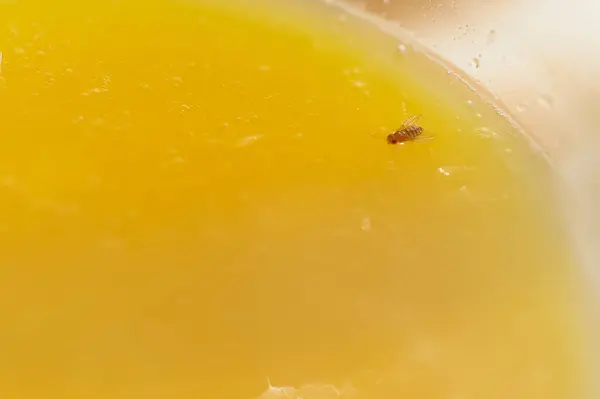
x: 409, y: 133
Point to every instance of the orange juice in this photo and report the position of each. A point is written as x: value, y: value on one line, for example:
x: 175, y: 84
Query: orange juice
x: 193, y: 205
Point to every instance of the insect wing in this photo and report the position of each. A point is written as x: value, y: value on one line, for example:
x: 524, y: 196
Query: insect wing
x: 411, y: 121
x: 423, y: 139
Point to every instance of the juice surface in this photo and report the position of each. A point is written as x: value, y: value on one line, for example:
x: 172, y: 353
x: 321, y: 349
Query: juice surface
x: 192, y: 205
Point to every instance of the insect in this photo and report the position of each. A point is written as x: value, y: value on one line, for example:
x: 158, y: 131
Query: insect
x: 409, y: 131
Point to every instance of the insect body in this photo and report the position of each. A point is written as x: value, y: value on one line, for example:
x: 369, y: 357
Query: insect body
x: 409, y: 131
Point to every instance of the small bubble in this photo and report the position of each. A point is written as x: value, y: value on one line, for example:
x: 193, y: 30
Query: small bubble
x: 246, y: 141
x: 402, y: 48
x: 469, y: 102
x: 485, y: 132
x: 443, y: 171
x: 177, y: 80
x: 94, y: 90
x: 521, y: 108
x: 478, y: 115
x: 358, y: 83
x: 264, y: 68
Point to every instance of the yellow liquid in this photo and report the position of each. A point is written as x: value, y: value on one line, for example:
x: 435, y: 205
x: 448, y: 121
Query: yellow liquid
x: 192, y: 206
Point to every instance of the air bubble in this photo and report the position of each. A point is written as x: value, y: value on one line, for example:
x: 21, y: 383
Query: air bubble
x: 246, y: 141
x: 402, y: 48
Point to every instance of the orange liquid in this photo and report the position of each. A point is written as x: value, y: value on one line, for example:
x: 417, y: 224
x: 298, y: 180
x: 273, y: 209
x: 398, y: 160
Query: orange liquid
x: 191, y: 202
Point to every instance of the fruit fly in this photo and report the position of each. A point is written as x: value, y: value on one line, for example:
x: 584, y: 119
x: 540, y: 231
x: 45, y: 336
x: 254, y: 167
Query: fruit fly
x: 409, y: 131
